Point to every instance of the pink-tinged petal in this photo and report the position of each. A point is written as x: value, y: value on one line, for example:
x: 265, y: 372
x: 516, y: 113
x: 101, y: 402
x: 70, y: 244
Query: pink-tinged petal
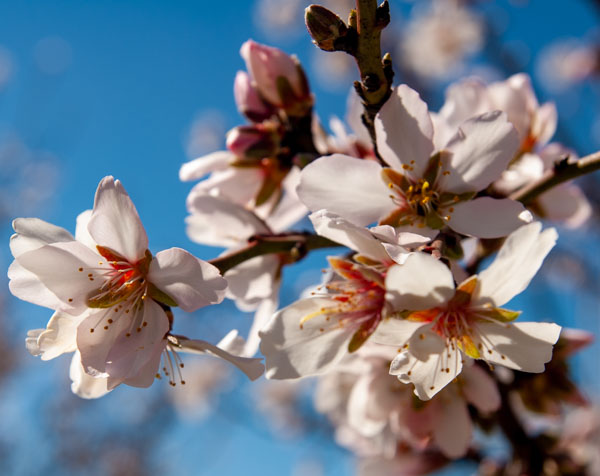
x: 524, y: 346
x: 566, y: 203
x: 191, y: 282
x: 82, y: 233
x: 349, y: 187
x: 146, y: 375
x: 293, y: 350
x: 403, y: 235
x: 356, y: 238
x: 481, y: 150
x: 289, y: 210
x: 487, y: 217
x: 515, y: 265
x: 115, y: 222
x: 262, y: 316
x: 359, y: 403
x: 59, y: 337
x: 395, y: 332
x: 354, y: 111
x: 253, y: 368
x: 464, y: 100
x: 27, y: 286
x: 129, y: 354
x: 544, y: 123
x: 429, y: 376
x: 238, y: 185
x: 405, y: 131
x: 95, y: 342
x: 252, y: 281
x: 198, y: 168
x: 407, y: 463
x: 516, y: 98
x: 57, y: 267
x: 33, y: 233
x: 422, y: 282
x: 216, y: 221
x: 453, y: 428
x: 84, y: 385
x: 480, y: 389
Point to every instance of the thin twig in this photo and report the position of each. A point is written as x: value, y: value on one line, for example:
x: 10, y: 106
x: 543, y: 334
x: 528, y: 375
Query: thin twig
x: 563, y: 171
x: 297, y: 245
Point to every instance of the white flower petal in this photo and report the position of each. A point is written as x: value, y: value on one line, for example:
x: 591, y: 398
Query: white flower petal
x: 33, y: 233
x: 565, y: 203
x: 395, y: 332
x: 57, y: 266
x: 252, y: 281
x: 422, y: 282
x: 94, y: 342
x: 198, y: 168
x: 487, y: 217
x: 405, y: 131
x: 263, y: 314
x: 481, y: 150
x: 216, y: 221
x: 359, y: 403
x: 524, y: 346
x: 349, y: 187
x: 239, y: 185
x: 253, y: 368
x: 428, y: 376
x: 191, y: 282
x: 480, y: 389
x: 59, y: 337
x: 452, y: 429
x: 83, y: 384
x: 356, y: 238
x: 115, y: 222
x: 82, y: 234
x: 27, y: 286
x: 128, y: 356
x: 515, y: 265
x: 293, y: 351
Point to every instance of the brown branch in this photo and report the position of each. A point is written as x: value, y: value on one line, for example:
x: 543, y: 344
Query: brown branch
x: 563, y: 171
x: 376, y: 74
x: 296, y: 245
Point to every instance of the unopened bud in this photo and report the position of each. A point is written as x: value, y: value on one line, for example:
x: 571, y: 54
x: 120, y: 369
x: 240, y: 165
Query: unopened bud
x: 277, y: 76
x: 325, y: 27
x: 255, y: 142
x: 248, y: 100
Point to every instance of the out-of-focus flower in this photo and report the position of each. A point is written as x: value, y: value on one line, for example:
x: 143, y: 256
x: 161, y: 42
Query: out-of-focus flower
x: 422, y: 190
x: 442, y: 324
x: 280, y: 403
x: 438, y: 39
x: 565, y: 63
x: 535, y: 125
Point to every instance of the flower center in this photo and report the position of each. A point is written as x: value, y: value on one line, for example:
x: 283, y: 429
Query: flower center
x: 359, y: 297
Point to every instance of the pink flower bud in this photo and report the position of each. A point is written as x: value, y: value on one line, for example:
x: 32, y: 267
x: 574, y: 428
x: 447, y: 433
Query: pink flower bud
x: 256, y: 141
x: 278, y: 76
x: 248, y: 100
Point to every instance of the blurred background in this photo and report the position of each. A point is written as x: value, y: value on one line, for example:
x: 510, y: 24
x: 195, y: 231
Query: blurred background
x: 134, y: 89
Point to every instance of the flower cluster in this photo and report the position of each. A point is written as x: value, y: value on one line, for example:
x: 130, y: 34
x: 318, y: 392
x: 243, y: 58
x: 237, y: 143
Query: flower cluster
x: 413, y: 345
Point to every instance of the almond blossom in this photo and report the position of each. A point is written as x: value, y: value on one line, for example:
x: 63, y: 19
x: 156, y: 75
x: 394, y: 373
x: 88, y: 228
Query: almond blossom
x: 312, y: 335
x: 422, y: 188
x: 443, y: 324
x: 111, y: 296
x: 535, y: 124
x: 375, y: 413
